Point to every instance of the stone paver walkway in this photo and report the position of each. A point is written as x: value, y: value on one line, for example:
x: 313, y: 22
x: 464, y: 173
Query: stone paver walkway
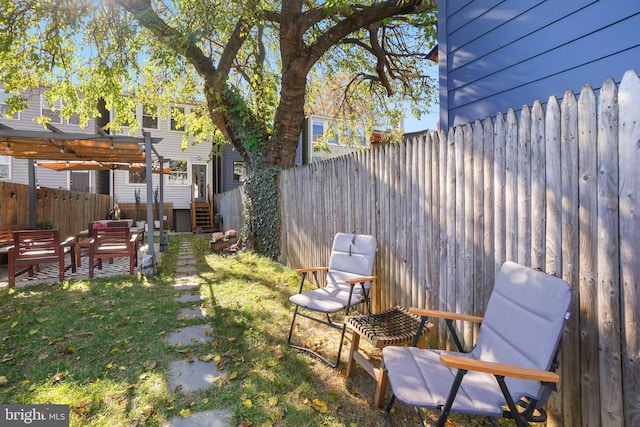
x: 189, y: 375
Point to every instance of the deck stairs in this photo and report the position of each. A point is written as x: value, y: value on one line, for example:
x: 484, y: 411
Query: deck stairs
x: 202, y: 213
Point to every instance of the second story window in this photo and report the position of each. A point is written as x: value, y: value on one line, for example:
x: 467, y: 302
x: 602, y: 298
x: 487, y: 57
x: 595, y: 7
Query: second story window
x: 149, y: 117
x: 4, y: 108
x: 174, y: 123
x: 317, y: 130
x: 51, y: 110
x: 239, y: 171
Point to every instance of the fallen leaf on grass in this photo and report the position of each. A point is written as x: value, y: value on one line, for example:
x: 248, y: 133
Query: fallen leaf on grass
x: 3, y: 380
x: 67, y: 350
x: 177, y: 388
x: 57, y: 378
x: 245, y: 423
x: 248, y: 403
x: 149, y: 364
x: 319, y: 405
x: 147, y: 410
x: 273, y: 401
x: 185, y: 413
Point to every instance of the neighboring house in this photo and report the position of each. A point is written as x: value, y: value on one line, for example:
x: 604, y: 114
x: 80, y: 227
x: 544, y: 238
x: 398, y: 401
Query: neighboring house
x: 495, y: 55
x: 16, y: 170
x: 323, y: 138
x: 189, y: 168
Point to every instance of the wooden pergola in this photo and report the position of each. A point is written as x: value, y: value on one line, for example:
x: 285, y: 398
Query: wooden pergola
x: 53, y: 144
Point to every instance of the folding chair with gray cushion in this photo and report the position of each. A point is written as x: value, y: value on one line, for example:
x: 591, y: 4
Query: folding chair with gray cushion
x: 512, y: 363
x: 348, y: 279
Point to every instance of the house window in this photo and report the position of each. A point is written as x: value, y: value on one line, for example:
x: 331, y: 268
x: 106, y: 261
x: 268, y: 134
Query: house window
x: 138, y: 176
x: 74, y: 120
x: 317, y: 130
x: 52, y: 111
x: 149, y: 117
x: 178, y: 174
x: 174, y: 124
x: 239, y: 171
x: 4, y: 108
x: 5, y: 167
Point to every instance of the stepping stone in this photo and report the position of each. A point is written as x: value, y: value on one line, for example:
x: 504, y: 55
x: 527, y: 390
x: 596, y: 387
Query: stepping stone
x: 211, y: 418
x: 186, y: 261
x: 192, y: 313
x: 186, y: 269
x: 190, y: 335
x: 188, y: 286
x: 192, y: 376
x: 189, y: 297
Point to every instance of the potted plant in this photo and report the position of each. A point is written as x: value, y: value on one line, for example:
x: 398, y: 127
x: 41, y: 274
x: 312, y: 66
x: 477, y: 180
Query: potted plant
x: 139, y: 221
x: 231, y: 236
x: 218, y: 241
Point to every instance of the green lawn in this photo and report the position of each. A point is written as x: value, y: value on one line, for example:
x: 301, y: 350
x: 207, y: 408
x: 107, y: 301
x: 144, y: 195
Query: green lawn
x: 99, y: 346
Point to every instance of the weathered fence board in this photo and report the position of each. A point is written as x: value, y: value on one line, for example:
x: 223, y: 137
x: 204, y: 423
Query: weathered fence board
x: 587, y: 215
x: 629, y: 154
x: 608, y: 268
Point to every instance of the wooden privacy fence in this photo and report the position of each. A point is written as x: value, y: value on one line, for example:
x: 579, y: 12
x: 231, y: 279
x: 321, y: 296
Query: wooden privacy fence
x: 555, y: 187
x: 69, y: 211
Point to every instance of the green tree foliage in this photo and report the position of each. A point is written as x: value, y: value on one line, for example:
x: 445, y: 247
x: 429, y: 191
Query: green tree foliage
x: 255, y: 66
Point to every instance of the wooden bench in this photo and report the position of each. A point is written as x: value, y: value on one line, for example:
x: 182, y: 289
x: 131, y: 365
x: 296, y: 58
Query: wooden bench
x: 33, y: 247
x: 112, y: 242
x: 6, y: 240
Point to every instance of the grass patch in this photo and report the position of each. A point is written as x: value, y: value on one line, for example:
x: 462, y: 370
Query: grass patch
x: 99, y: 346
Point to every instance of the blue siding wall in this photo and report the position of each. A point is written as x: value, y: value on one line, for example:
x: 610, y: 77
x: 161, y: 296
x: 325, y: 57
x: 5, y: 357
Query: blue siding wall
x: 496, y: 55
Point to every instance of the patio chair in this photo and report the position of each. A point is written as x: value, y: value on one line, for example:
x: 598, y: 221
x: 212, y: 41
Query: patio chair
x: 348, y: 279
x: 112, y: 242
x: 512, y: 364
x: 34, y: 247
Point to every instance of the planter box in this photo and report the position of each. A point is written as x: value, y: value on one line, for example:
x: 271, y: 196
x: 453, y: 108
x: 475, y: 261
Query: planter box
x: 219, y: 246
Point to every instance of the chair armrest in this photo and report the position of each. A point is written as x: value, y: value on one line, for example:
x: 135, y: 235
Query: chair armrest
x: 312, y: 269
x: 71, y: 240
x: 445, y: 315
x: 360, y: 280
x: 502, y: 369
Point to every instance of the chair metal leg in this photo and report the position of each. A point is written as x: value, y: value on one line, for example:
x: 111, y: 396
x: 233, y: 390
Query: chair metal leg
x: 328, y: 323
x: 446, y: 410
x: 520, y: 421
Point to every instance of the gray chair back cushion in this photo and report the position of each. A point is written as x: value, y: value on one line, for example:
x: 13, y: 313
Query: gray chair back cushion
x: 352, y: 256
x: 523, y: 322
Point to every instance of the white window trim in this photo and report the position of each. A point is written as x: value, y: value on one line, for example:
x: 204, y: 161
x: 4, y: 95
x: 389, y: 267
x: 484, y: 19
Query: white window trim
x: 187, y: 179
x: 3, y: 98
x: 9, y: 162
x: 186, y: 111
x: 44, y: 104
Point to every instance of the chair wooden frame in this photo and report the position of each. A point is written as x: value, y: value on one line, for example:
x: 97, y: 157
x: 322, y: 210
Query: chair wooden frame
x: 112, y: 242
x: 34, y: 247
